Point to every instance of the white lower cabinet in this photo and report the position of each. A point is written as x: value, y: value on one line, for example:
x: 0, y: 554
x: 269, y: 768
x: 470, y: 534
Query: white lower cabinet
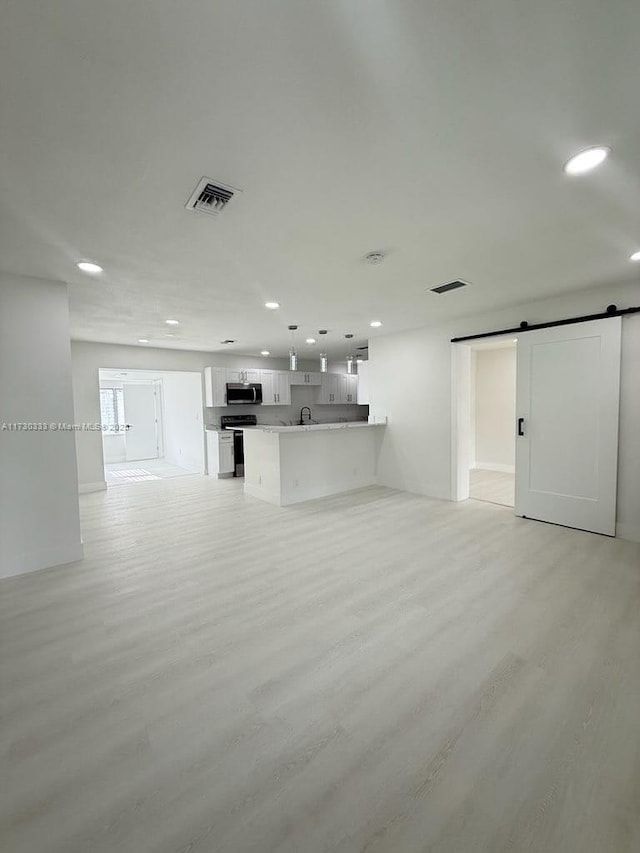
x: 219, y: 453
x: 225, y: 458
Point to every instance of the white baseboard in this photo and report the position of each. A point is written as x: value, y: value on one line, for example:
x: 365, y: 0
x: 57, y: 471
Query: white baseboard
x: 491, y: 466
x: 414, y: 487
x: 42, y: 558
x: 262, y: 494
x: 86, y: 488
x: 628, y: 531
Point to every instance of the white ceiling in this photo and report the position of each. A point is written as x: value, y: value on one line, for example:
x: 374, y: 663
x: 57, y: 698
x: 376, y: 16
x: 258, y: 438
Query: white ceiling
x: 434, y: 130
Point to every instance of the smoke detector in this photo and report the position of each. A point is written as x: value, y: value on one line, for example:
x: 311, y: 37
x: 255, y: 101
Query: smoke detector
x: 210, y: 197
x: 227, y: 341
x: 374, y: 258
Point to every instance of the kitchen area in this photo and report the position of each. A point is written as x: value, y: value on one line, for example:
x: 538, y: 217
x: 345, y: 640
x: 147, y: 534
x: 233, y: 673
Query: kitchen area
x: 293, y: 435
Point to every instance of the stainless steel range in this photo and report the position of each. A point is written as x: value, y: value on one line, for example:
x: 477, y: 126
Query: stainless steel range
x: 232, y: 422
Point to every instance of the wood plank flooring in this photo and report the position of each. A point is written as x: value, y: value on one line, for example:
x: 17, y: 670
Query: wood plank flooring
x: 370, y: 672
x: 117, y: 473
x: 492, y: 486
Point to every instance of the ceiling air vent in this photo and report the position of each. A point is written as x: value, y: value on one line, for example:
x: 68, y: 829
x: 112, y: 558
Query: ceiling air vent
x: 210, y: 197
x: 450, y: 285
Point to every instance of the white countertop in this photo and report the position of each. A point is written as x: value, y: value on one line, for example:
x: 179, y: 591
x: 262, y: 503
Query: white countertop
x: 307, y: 427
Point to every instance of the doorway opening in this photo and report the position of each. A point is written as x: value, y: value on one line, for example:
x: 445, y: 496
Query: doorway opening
x: 566, y: 425
x: 152, y: 425
x: 483, y: 420
x: 492, y: 452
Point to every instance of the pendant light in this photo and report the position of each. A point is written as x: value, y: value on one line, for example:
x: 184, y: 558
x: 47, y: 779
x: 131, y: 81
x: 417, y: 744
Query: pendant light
x: 324, y: 361
x: 351, y: 362
x: 293, y: 355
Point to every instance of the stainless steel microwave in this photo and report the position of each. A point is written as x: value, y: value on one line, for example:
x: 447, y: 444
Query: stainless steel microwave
x: 239, y: 394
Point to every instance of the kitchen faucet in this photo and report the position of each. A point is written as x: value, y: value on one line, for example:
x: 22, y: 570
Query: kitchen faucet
x: 302, y: 417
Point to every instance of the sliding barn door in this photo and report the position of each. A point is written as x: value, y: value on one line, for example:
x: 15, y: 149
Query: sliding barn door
x: 568, y: 386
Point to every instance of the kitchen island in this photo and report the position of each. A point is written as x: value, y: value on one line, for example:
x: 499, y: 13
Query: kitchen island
x: 286, y: 465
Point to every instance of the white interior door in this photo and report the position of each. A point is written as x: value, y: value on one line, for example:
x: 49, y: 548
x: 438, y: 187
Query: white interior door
x: 568, y: 387
x: 140, y: 414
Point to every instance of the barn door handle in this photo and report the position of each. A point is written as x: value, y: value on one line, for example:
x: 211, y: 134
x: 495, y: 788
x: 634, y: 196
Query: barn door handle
x: 520, y: 426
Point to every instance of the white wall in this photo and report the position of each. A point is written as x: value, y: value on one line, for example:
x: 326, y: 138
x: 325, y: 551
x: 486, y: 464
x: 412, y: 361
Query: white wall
x: 88, y: 358
x: 410, y: 377
x: 182, y: 415
x: 495, y: 409
x: 39, y: 519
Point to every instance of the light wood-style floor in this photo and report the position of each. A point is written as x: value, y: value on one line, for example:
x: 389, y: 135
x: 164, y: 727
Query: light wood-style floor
x: 492, y: 486
x: 117, y: 473
x: 371, y: 672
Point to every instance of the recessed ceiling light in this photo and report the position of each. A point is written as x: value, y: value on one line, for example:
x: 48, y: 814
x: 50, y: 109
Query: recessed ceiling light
x: 375, y: 324
x: 172, y: 322
x: 88, y: 266
x: 272, y: 305
x: 586, y: 160
x: 635, y: 256
x: 169, y: 335
x: 143, y: 340
x: 311, y: 340
x: 265, y: 352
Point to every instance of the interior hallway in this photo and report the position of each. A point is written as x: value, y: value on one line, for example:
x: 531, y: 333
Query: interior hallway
x: 374, y: 671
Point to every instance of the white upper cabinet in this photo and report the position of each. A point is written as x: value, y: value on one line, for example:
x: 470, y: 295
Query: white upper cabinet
x: 267, y: 378
x: 351, y: 389
x: 299, y: 377
x: 330, y: 388
x: 275, y: 388
x: 338, y: 388
x: 215, y: 386
x: 283, y: 387
x: 238, y: 376
x: 348, y: 388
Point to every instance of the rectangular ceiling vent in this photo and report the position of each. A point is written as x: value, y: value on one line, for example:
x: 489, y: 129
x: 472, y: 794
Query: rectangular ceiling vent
x: 210, y: 197
x: 450, y: 285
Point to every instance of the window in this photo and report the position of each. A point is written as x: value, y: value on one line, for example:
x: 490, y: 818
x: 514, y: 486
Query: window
x: 112, y: 411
